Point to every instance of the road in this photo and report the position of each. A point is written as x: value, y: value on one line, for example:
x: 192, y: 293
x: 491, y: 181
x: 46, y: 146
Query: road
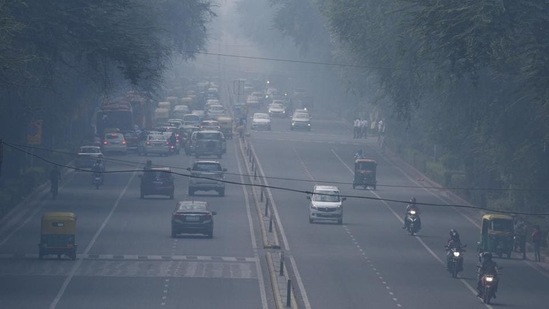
x: 369, y: 261
x: 126, y: 257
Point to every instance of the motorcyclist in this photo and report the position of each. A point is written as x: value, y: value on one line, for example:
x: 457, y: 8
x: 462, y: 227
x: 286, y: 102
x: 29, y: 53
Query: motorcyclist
x: 359, y: 154
x: 412, y: 205
x: 97, y: 169
x: 148, y: 165
x: 453, y: 242
x: 487, y: 266
x: 172, y: 139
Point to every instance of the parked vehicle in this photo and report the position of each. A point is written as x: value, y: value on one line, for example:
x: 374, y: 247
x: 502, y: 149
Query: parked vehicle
x: 496, y: 234
x: 57, y: 235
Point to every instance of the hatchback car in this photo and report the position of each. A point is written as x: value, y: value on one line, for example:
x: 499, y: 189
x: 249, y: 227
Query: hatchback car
x: 326, y: 204
x: 87, y: 156
x: 301, y: 120
x: 261, y: 121
x: 192, y: 217
x: 157, y: 181
x: 277, y: 110
x: 114, y: 142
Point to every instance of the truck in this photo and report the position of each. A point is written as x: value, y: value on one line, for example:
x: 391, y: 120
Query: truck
x: 124, y: 113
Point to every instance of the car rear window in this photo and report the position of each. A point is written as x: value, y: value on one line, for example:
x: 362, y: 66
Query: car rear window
x: 210, y: 135
x: 207, y: 167
x: 195, y: 206
x: 113, y: 136
x: 158, y: 175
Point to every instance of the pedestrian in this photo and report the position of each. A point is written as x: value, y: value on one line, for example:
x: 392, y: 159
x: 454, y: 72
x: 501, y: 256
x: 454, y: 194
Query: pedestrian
x: 356, y: 128
x: 520, y: 237
x: 536, y: 241
x: 364, y: 128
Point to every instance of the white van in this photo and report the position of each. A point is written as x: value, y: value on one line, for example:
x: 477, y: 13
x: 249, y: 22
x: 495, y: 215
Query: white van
x: 326, y: 204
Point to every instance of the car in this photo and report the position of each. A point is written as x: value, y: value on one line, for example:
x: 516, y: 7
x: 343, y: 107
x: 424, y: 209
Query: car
x: 193, y: 217
x: 277, y: 110
x: 215, y: 110
x: 114, y: 142
x: 326, y: 204
x: 261, y: 121
x: 87, y: 156
x: 155, y: 143
x: 176, y: 122
x: 209, y: 124
x: 206, y: 175
x: 132, y: 139
x: 191, y: 120
x: 301, y: 120
x: 200, y: 113
x: 207, y: 143
x: 157, y: 181
x: 180, y: 111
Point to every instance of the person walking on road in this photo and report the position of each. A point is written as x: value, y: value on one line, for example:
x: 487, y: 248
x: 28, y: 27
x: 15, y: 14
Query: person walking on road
x: 356, y: 128
x: 364, y: 128
x: 536, y: 240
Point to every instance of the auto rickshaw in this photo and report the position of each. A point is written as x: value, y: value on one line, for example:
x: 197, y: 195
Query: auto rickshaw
x: 58, y: 235
x: 226, y: 124
x: 496, y: 234
x: 365, y: 173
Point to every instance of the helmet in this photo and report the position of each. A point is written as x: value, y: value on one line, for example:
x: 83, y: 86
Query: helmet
x: 413, y: 200
x: 487, y: 255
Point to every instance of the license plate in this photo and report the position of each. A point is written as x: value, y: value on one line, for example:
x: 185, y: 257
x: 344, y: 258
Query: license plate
x: 157, y: 182
x: 192, y: 218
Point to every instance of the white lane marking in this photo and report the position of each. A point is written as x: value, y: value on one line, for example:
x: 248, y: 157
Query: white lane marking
x: 286, y: 245
x: 90, y: 245
x: 431, y: 252
x: 253, y: 239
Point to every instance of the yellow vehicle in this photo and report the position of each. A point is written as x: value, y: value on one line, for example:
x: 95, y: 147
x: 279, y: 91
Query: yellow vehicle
x: 496, y: 234
x: 226, y: 124
x: 58, y: 235
x: 365, y: 173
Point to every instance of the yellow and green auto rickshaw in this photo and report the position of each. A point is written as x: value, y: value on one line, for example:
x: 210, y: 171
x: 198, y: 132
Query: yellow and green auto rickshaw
x: 365, y: 173
x: 58, y: 235
x: 226, y: 124
x: 496, y: 234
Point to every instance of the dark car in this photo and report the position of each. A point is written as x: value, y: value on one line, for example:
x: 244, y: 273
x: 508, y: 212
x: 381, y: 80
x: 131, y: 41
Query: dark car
x: 192, y: 217
x: 132, y: 139
x: 157, y: 181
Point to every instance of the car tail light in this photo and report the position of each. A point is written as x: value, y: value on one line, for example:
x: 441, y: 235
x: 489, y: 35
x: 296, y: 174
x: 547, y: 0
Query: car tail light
x: 207, y: 216
x: 123, y: 142
x: 148, y: 143
x: 105, y: 142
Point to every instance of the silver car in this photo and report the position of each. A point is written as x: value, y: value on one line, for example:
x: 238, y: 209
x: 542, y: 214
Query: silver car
x: 156, y: 143
x: 87, y: 156
x: 114, y: 142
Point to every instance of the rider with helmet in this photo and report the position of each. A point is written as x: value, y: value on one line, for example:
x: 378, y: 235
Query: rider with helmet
x: 487, y: 266
x: 454, y: 242
x: 412, y: 205
x: 98, y: 169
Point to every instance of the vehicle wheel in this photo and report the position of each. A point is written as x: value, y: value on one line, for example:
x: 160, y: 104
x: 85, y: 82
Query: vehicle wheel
x: 486, y: 296
x: 73, y: 255
x: 171, y: 196
x: 354, y: 186
x: 58, y: 256
x: 210, y: 234
x: 219, y: 156
x: 311, y: 220
x: 454, y: 272
x: 191, y: 192
x: 40, y: 254
x: 174, y: 234
x: 142, y: 196
x: 221, y: 192
x: 340, y: 221
x: 374, y: 187
x: 508, y: 255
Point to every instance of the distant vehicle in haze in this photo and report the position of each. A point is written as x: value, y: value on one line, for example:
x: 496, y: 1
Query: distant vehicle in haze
x: 277, y: 110
x: 192, y: 217
x: 114, y: 142
x: 261, y: 121
x: 157, y: 181
x: 206, y: 175
x: 326, y: 204
x: 87, y: 156
x: 300, y: 120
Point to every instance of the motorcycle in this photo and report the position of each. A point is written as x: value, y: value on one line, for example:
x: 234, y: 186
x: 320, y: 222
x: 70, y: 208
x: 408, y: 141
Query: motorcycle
x: 54, y: 190
x: 488, y: 285
x: 412, y: 219
x: 455, y: 260
x: 97, y: 180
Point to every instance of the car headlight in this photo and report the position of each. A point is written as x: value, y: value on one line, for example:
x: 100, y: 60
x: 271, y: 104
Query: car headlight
x: 293, y: 123
x: 489, y: 278
x: 456, y: 253
x: 309, y: 124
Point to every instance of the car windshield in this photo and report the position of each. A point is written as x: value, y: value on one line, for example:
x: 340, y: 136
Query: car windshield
x: 366, y: 166
x: 192, y: 206
x: 261, y: 116
x: 502, y: 225
x: 301, y: 116
x: 113, y: 136
x: 276, y: 106
x: 157, y: 174
x: 326, y: 196
x: 207, y: 167
x: 157, y: 137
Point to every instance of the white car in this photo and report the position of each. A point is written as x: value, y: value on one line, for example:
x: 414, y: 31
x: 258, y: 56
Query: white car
x: 114, y: 142
x: 261, y: 121
x: 87, y: 156
x: 155, y: 143
x: 326, y: 204
x: 215, y: 110
x: 277, y: 110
